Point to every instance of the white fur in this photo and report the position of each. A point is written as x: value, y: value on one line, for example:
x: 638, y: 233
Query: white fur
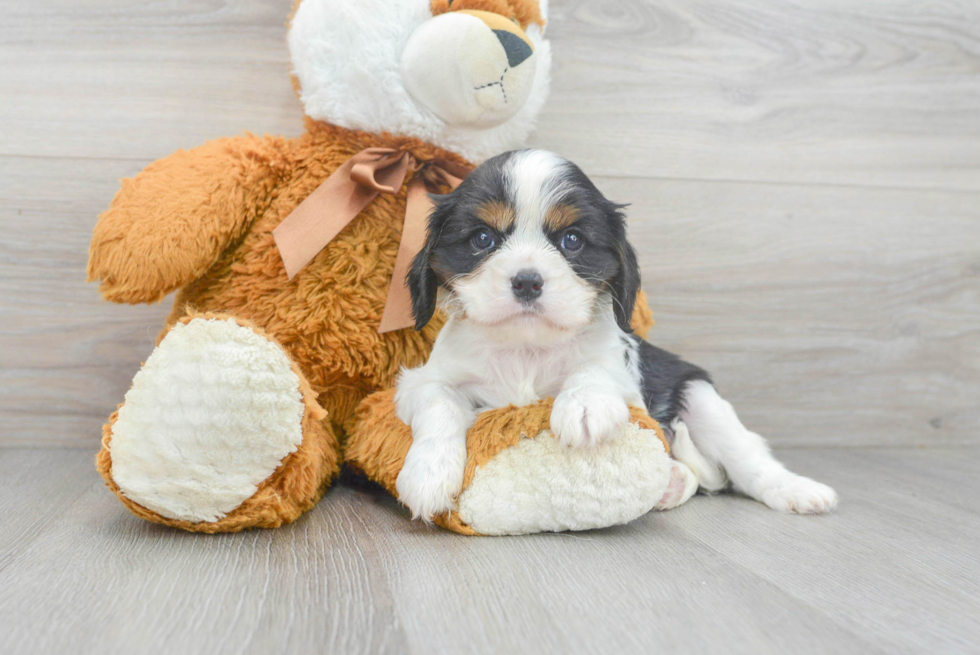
x: 745, y: 456
x: 211, y: 414
x: 591, y: 405
x: 710, y: 477
x: 518, y: 492
x: 432, y: 474
x: 535, y: 182
x: 347, y: 57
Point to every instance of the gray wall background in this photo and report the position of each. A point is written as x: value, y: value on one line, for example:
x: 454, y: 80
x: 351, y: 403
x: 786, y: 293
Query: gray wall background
x: 804, y: 180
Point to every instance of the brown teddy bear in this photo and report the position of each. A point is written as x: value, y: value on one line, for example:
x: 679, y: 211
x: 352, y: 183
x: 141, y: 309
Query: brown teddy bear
x: 288, y: 256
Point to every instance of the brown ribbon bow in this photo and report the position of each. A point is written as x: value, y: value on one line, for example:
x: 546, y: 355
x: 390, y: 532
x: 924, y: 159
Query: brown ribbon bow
x: 351, y: 188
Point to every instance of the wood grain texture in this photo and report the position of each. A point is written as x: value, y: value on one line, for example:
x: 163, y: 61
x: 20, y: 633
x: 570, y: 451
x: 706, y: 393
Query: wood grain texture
x: 122, y: 79
x: 827, y: 315
x: 879, y: 93
x: 803, y: 180
x: 894, y: 570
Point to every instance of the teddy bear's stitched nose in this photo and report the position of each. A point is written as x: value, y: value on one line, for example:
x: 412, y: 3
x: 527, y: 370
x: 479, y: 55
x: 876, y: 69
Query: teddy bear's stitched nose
x: 516, y: 48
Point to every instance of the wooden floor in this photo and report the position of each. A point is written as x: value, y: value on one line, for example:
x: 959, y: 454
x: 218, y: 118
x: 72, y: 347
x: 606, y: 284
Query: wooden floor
x: 895, y: 570
x: 804, y: 181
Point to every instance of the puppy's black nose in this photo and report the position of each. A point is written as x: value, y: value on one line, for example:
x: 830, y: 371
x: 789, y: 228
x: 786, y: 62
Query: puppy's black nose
x: 527, y: 284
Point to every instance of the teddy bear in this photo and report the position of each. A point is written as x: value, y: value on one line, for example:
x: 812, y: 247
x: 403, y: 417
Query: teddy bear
x: 288, y: 259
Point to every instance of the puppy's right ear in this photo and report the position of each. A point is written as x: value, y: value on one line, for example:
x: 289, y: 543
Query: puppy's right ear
x: 424, y: 287
x: 422, y: 280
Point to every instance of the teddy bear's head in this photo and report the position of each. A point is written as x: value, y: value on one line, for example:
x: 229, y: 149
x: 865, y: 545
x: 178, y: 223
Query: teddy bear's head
x: 470, y: 76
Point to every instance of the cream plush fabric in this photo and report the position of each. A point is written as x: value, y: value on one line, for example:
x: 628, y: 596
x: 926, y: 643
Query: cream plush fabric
x: 211, y: 415
x: 519, y: 491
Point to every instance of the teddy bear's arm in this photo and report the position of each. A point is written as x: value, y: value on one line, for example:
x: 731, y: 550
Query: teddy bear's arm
x: 168, y: 225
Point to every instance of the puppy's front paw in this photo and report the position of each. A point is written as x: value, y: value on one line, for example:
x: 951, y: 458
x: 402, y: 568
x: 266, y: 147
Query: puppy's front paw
x: 789, y: 492
x: 583, y: 418
x: 431, y: 477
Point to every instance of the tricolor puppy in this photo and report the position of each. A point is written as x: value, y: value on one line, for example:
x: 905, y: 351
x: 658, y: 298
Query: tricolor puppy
x: 539, y: 283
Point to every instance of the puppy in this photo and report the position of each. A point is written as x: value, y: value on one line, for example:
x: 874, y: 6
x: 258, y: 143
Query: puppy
x: 539, y: 284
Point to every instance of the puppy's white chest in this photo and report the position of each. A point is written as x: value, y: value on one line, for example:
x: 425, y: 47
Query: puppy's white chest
x: 522, y: 377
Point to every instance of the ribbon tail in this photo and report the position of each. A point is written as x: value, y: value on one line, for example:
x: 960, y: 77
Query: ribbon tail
x: 398, y: 308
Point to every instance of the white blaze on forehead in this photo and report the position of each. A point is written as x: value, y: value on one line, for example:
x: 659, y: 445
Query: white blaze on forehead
x: 535, y: 182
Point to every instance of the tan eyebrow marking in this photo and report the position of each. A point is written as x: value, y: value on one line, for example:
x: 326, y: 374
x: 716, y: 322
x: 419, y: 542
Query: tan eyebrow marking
x: 497, y: 215
x: 558, y: 217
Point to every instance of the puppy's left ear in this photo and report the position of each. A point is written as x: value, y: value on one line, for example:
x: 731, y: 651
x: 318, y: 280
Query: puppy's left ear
x: 625, y: 285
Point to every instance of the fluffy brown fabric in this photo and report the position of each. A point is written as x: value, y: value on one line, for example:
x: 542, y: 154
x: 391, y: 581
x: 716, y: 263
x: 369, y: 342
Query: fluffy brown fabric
x: 379, y: 441
x: 201, y: 221
x: 524, y: 12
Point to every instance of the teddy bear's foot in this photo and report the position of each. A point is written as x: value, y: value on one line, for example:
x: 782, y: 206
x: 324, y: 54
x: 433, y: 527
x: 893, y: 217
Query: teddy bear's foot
x: 219, y: 432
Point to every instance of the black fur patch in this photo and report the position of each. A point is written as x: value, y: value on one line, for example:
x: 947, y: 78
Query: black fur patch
x: 663, y: 380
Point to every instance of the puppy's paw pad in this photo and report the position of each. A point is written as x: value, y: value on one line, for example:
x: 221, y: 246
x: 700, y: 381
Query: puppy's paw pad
x: 587, y: 419
x: 431, y: 478
x: 683, y: 484
x: 798, y: 494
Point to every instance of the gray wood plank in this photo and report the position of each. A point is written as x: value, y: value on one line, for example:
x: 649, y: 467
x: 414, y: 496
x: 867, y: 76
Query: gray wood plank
x: 137, y: 80
x: 36, y: 488
x: 640, y: 588
x: 66, y: 357
x: 827, y: 315
x: 101, y: 580
x: 894, y: 570
x: 881, y: 93
x: 897, y: 563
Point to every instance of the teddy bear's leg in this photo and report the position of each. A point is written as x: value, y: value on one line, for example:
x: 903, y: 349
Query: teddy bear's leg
x: 219, y: 432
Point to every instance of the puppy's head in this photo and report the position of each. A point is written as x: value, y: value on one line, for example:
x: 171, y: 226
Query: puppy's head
x: 527, y: 244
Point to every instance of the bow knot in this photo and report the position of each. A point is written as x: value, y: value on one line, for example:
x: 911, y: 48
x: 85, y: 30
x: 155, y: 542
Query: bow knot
x: 351, y: 188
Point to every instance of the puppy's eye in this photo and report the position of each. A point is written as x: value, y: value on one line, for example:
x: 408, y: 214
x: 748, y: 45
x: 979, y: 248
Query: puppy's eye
x: 572, y: 242
x: 484, y: 240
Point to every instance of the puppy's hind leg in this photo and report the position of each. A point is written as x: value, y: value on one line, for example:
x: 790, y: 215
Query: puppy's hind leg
x: 711, y: 477
x: 683, y: 484
x: 691, y: 471
x: 722, y: 439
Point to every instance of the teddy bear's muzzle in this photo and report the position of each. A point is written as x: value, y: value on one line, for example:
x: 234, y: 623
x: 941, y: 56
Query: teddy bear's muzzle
x: 469, y: 68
